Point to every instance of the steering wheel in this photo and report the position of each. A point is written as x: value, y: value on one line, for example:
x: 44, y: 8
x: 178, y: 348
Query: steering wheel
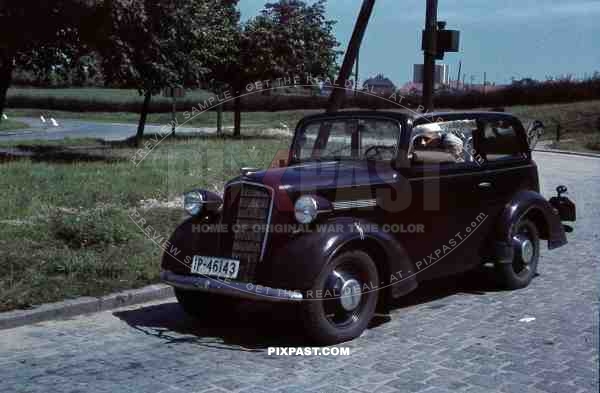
x: 374, y: 152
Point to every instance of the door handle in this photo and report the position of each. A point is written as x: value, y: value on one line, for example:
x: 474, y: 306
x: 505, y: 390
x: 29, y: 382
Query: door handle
x: 486, y: 185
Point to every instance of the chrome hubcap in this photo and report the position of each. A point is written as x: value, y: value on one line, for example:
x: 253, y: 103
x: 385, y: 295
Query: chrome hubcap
x: 527, y: 251
x: 345, y: 305
x: 350, y: 294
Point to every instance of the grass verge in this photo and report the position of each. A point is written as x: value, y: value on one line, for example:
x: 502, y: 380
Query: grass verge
x: 585, y: 143
x: 66, y: 230
x: 10, y: 125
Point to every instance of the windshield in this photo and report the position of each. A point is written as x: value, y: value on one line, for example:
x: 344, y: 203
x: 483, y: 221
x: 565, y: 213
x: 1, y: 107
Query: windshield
x: 347, y: 139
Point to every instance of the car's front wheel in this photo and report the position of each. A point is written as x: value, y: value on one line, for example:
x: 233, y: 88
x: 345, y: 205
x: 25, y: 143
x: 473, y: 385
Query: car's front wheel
x: 526, y: 251
x: 205, y: 305
x: 343, y: 299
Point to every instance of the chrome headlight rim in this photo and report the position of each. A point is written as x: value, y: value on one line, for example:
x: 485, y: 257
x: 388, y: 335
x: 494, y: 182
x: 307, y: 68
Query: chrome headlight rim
x: 306, y: 209
x: 193, y: 202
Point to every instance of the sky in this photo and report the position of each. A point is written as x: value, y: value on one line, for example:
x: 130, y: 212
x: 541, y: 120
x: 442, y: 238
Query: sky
x: 506, y: 39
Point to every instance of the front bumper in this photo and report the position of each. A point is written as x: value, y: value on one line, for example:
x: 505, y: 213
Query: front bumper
x: 230, y: 288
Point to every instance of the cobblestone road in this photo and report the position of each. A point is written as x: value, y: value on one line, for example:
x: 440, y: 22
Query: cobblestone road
x: 456, y: 335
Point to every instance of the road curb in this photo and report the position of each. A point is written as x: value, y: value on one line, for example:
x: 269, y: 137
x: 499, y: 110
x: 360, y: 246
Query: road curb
x: 568, y: 152
x: 84, y: 305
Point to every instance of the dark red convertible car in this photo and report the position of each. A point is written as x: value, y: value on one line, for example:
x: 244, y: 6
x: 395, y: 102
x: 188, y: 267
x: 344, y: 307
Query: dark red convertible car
x: 367, y: 206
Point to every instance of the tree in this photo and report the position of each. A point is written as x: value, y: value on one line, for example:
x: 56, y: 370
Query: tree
x: 289, y: 38
x: 153, y: 44
x: 40, y: 35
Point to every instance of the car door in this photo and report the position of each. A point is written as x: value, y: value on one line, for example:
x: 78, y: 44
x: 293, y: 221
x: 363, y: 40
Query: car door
x: 445, y: 179
x: 501, y: 146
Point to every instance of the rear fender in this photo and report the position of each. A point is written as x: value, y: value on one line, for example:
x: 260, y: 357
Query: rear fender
x: 535, y: 207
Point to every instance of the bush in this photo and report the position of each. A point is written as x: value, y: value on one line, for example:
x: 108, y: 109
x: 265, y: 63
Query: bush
x: 97, y: 227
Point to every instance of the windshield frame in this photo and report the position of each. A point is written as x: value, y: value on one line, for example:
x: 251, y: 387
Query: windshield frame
x: 300, y: 130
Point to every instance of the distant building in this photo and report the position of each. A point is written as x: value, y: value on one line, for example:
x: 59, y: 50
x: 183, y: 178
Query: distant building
x: 442, y: 74
x: 379, y: 85
x: 452, y: 87
x: 411, y: 88
x: 326, y: 88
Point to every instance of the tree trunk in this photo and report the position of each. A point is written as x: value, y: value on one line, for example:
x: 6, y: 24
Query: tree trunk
x: 143, y: 115
x: 6, y: 69
x: 220, y: 120
x: 237, y: 119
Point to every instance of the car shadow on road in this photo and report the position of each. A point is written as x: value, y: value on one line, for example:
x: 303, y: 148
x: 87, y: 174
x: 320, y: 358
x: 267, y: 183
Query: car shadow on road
x: 250, y: 326
x: 256, y: 326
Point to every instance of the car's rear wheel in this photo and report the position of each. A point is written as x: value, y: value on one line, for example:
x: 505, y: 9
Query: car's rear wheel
x: 526, y: 250
x: 343, y: 299
x: 205, y: 305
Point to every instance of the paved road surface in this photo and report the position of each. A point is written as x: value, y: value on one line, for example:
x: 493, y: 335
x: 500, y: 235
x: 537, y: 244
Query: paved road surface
x: 456, y: 335
x: 87, y: 129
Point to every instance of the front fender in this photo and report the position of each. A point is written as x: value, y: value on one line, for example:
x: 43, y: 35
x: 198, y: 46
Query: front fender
x: 298, y: 264
x: 534, y: 206
x: 187, y: 240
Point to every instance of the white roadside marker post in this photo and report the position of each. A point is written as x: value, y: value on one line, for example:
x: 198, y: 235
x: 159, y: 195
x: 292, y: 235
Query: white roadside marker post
x: 44, y: 122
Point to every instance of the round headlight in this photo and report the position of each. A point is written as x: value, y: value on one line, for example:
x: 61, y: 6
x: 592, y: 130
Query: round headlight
x: 305, y: 209
x: 192, y: 203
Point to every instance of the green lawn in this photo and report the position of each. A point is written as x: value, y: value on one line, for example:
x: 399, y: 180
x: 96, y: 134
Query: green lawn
x: 576, y: 119
x: 9, y: 125
x: 66, y: 230
x: 589, y: 143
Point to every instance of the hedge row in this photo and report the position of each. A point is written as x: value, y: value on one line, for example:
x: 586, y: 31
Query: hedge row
x: 542, y: 93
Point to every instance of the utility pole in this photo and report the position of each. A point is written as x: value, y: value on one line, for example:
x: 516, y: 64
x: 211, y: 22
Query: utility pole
x: 458, y: 76
x: 430, y: 53
x: 484, y: 81
x: 337, y: 94
x: 356, y: 73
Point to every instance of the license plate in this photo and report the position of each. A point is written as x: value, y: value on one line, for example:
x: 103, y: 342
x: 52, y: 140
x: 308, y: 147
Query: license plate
x: 218, y: 267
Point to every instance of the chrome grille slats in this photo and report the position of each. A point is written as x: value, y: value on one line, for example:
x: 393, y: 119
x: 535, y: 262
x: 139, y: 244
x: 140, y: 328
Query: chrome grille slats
x: 248, y: 219
x: 356, y: 204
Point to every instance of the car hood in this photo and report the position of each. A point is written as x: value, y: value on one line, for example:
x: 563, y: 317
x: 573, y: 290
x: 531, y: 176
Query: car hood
x: 315, y: 176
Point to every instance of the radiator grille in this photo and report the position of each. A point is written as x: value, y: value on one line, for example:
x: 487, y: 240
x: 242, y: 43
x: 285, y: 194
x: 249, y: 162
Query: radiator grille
x: 247, y: 214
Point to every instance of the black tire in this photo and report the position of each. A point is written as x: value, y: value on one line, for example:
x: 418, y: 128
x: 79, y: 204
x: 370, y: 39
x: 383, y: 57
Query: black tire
x: 325, y: 320
x: 205, y: 305
x: 523, y: 268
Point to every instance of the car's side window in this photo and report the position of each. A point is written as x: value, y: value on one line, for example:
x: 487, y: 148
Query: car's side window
x: 443, y: 142
x: 498, y: 140
x: 379, y: 138
x: 369, y: 139
x: 339, y: 140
